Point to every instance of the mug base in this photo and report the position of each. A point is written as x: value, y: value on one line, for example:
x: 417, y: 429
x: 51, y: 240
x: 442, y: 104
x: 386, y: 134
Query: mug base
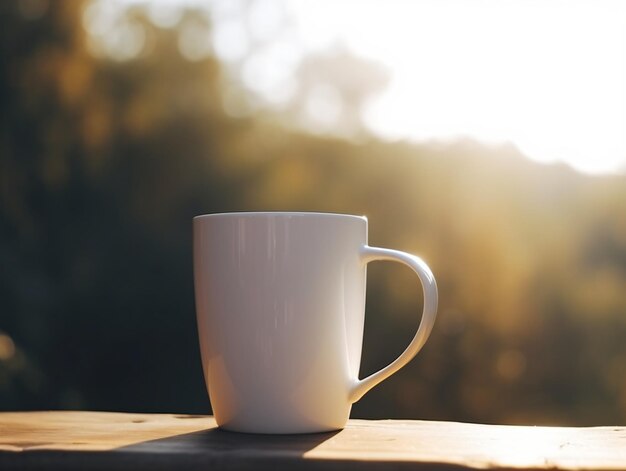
x: 269, y: 430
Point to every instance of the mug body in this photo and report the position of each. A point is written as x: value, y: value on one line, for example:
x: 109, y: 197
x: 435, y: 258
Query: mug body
x: 280, y: 300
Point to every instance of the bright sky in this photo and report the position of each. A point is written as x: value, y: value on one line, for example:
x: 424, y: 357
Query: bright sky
x: 547, y: 75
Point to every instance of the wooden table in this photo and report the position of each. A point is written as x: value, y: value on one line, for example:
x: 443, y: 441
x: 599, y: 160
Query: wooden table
x: 104, y: 440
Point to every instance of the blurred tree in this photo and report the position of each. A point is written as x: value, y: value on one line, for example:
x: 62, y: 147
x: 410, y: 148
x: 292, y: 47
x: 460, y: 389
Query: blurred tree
x: 101, y: 174
x: 108, y: 149
x: 332, y: 91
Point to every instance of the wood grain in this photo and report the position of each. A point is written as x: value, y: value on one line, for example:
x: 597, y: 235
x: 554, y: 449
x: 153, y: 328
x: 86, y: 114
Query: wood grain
x: 105, y: 440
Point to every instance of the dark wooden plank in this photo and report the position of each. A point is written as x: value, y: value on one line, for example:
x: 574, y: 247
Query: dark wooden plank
x: 102, y: 440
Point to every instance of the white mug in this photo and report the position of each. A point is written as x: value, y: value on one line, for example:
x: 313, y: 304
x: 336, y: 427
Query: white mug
x: 280, y: 301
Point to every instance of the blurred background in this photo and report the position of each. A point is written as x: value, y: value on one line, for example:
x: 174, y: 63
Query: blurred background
x: 487, y: 137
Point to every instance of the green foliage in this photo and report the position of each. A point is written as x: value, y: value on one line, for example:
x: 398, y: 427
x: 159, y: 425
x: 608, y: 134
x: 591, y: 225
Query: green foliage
x: 103, y: 164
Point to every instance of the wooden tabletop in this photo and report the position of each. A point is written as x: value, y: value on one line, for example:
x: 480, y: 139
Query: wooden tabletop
x: 105, y: 440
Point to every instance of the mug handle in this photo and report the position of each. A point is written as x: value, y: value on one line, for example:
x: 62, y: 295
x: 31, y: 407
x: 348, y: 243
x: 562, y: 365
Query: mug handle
x: 429, y: 287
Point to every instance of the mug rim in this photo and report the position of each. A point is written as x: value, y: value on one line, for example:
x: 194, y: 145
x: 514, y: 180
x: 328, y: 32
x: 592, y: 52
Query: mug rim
x: 278, y: 213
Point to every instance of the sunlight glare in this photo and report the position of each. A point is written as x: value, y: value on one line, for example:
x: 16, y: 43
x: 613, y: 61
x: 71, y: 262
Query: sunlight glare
x: 526, y: 447
x: 547, y: 76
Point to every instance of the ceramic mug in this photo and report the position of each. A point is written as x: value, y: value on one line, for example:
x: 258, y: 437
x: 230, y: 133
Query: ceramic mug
x: 280, y: 301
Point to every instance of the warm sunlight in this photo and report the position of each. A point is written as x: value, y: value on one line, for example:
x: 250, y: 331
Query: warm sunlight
x: 548, y: 76
x: 484, y: 136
